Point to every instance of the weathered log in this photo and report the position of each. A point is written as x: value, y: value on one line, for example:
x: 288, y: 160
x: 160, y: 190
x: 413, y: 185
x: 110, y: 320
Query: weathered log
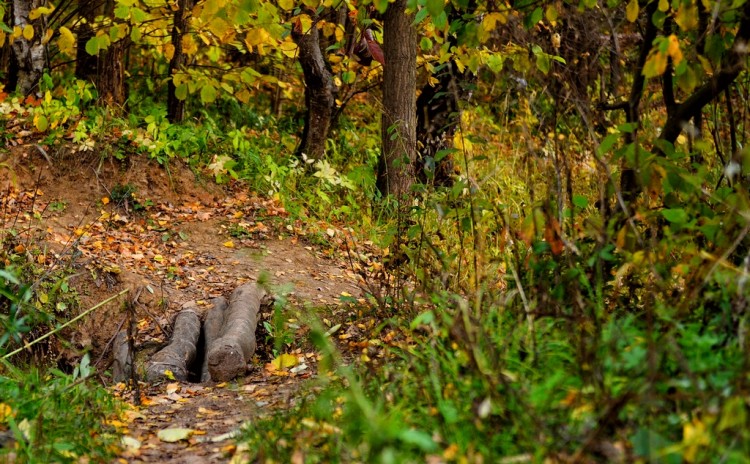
x: 123, y: 359
x: 229, y: 354
x: 212, y: 331
x: 182, y: 349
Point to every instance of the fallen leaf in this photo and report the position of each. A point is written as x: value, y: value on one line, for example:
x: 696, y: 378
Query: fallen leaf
x: 174, y: 435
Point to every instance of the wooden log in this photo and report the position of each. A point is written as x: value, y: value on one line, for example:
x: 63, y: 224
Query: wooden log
x: 123, y: 359
x: 212, y: 331
x: 229, y: 354
x: 182, y: 349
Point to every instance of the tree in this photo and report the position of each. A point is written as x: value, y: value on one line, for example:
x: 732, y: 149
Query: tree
x: 399, y: 124
x: 175, y: 105
x: 28, y: 49
x: 319, y: 99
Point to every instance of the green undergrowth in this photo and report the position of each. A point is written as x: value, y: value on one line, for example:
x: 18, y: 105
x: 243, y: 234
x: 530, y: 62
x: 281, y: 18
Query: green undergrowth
x: 46, y: 415
x: 49, y: 416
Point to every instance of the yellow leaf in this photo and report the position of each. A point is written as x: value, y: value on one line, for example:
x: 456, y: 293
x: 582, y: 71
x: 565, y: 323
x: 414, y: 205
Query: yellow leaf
x: 168, y: 51
x: 37, y: 12
x: 283, y: 361
x: 286, y: 4
x: 28, y: 32
x: 673, y: 49
x: 687, y: 16
x: 663, y: 5
x: 256, y: 36
x: 655, y: 65
x: 189, y: 45
x: 243, y: 96
x: 289, y: 49
x: 2, y: 38
x: 105, y: 200
x: 17, y: 31
x: 694, y: 436
x: 218, y: 27
x: 328, y: 29
x: 6, y: 412
x: 66, y: 42
x: 229, y: 244
x: 631, y: 11
x: 47, y: 36
x: 489, y: 22
x: 169, y: 374
x: 339, y: 32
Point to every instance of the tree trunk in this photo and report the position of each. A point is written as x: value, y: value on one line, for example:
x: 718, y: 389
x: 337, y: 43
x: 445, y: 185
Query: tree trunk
x: 399, y: 134
x: 85, y: 63
x: 111, y: 74
x: 175, y: 106
x: 438, y: 116
x: 29, y: 53
x: 319, y: 90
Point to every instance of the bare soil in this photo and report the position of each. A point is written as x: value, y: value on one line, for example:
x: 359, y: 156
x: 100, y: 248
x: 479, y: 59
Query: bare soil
x: 169, y: 236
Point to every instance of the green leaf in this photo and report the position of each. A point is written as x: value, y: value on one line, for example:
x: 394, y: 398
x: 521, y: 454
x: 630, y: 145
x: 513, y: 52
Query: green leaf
x: 92, y: 46
x: 434, y: 7
x: 348, y: 77
x: 42, y: 123
x: 122, y: 12
x: 580, y: 201
x: 543, y: 62
x: 425, y: 44
x: 208, y: 93
x: 675, y: 215
x: 533, y: 18
x: 181, y: 91
x: 418, y: 438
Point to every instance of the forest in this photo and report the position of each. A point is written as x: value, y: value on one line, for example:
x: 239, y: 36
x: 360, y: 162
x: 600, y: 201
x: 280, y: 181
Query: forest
x: 482, y: 231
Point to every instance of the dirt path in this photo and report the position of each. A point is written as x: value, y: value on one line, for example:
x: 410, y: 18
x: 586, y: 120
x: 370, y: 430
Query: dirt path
x: 170, y: 241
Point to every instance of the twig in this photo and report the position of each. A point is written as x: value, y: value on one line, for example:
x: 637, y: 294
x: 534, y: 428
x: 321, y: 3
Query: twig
x: 75, y: 319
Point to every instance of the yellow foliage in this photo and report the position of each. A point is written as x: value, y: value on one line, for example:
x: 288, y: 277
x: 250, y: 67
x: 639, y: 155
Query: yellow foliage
x: 189, y: 45
x: 632, y: 10
x: 687, y: 16
x: 694, y: 436
x: 168, y: 51
x: 257, y: 36
x: 673, y: 49
x: 66, y: 42
x: 28, y: 32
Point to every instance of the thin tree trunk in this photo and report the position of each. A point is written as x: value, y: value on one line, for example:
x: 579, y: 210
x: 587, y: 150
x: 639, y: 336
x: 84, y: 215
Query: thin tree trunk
x: 319, y: 90
x: 175, y: 106
x: 399, y: 135
x: 29, y: 53
x: 111, y: 74
x: 85, y: 63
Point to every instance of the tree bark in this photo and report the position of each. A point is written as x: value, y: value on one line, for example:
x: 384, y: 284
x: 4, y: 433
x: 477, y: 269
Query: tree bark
x: 399, y: 135
x: 319, y: 90
x: 85, y: 63
x: 229, y: 354
x: 181, y: 351
x: 29, y: 53
x: 111, y: 74
x: 212, y: 331
x: 175, y: 106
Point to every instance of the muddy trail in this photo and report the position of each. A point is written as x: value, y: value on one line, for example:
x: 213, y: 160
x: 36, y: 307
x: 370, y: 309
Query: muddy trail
x: 170, y: 239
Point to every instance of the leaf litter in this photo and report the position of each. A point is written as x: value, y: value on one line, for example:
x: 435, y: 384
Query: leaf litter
x: 173, y: 248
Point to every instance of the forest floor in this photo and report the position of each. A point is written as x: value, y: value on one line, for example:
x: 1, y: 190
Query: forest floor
x: 171, y: 239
